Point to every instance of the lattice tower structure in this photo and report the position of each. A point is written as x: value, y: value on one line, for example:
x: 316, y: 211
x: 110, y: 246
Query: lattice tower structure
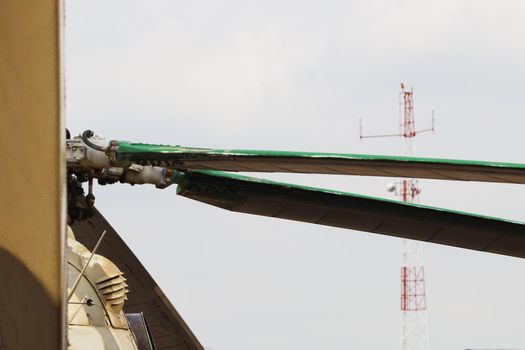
x: 414, y: 324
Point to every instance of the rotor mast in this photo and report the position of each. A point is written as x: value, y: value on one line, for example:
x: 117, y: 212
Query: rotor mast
x: 414, y: 325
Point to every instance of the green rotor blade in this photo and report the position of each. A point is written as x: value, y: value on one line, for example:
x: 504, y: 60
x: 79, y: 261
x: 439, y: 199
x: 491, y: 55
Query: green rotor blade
x: 356, y: 212
x: 182, y: 158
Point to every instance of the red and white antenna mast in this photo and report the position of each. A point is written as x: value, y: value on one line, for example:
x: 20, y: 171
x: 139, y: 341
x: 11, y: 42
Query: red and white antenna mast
x: 414, y: 326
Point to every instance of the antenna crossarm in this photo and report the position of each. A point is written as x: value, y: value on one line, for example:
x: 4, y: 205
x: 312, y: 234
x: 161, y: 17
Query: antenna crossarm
x: 377, y: 136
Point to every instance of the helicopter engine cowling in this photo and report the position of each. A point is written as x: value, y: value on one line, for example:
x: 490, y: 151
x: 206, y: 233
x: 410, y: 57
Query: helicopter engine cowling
x: 95, y: 309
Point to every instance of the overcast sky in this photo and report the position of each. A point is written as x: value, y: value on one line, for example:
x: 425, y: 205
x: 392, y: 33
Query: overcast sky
x: 297, y: 75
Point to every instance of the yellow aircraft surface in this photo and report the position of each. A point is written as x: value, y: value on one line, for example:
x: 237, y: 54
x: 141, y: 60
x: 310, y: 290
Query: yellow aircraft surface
x: 66, y: 273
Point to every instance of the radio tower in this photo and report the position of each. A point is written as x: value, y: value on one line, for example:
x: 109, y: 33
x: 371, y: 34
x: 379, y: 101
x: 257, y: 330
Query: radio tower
x: 414, y: 328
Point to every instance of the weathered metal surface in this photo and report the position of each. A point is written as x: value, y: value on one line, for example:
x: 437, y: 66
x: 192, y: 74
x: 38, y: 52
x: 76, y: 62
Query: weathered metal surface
x: 168, y: 329
x: 31, y: 178
x: 357, y: 212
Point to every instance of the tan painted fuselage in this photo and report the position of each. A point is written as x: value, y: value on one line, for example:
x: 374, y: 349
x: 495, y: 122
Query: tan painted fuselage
x: 32, y: 186
x: 95, y: 314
